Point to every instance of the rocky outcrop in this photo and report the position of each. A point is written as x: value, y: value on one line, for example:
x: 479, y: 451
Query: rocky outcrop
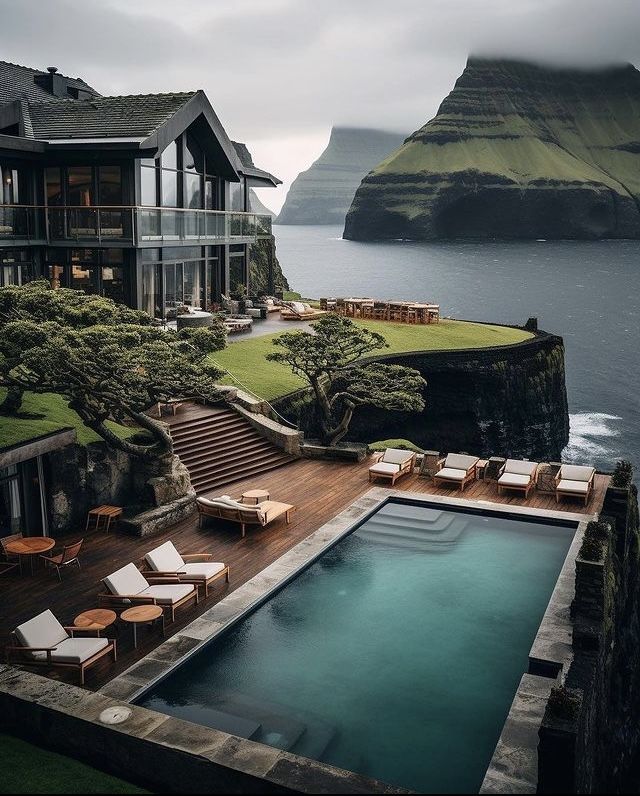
x: 502, y: 401
x: 516, y: 150
x: 322, y: 194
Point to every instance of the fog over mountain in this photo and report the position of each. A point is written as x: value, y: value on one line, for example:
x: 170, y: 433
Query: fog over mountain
x: 280, y: 73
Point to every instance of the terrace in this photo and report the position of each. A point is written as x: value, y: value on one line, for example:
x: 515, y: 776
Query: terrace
x: 319, y: 490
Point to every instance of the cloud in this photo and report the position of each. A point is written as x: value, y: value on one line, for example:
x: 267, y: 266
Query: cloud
x: 286, y: 70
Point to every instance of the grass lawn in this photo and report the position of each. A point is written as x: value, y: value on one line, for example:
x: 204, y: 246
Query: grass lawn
x: 246, y: 359
x: 30, y: 769
x: 52, y: 414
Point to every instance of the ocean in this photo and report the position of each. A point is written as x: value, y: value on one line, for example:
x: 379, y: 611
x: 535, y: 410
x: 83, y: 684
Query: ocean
x: 586, y: 291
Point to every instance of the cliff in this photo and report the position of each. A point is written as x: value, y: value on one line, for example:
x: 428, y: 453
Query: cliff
x: 322, y: 194
x: 503, y: 401
x: 516, y: 150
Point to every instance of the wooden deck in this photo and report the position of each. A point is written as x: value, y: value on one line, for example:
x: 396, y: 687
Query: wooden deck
x: 319, y: 490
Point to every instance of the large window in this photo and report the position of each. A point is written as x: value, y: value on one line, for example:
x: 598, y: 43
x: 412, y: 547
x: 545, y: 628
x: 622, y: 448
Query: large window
x: 16, y: 267
x: 96, y: 271
x: 10, y: 501
x: 80, y: 192
x: 237, y: 196
x: 184, y: 277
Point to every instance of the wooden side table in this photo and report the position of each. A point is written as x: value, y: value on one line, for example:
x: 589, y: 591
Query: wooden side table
x: 255, y: 496
x: 29, y: 547
x: 97, y: 619
x: 102, y: 517
x: 142, y: 615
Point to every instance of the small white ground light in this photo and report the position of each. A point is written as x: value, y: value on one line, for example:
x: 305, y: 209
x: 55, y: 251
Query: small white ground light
x: 115, y: 715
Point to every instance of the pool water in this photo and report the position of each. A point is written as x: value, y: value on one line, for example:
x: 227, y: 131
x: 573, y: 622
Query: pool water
x: 396, y: 654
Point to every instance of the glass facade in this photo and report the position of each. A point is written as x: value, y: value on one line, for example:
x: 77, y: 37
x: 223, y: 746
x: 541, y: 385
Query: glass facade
x: 96, y: 271
x: 16, y: 267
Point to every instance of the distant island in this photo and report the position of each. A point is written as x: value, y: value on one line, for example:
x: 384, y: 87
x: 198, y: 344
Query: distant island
x: 323, y: 193
x: 517, y: 150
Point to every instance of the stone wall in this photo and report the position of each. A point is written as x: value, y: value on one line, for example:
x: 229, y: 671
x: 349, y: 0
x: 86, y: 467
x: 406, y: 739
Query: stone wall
x: 593, y: 743
x: 507, y: 401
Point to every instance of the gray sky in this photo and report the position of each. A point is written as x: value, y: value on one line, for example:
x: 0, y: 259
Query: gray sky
x: 280, y: 72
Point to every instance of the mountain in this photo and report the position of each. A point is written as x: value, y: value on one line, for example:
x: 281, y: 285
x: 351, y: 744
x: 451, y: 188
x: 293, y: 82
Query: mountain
x: 322, y: 194
x: 256, y: 206
x: 517, y: 150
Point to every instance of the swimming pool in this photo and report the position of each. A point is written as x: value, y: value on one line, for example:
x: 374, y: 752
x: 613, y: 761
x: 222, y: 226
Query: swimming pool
x: 396, y: 654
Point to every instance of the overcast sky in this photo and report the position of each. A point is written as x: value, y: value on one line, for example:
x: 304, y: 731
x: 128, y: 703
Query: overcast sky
x: 280, y: 73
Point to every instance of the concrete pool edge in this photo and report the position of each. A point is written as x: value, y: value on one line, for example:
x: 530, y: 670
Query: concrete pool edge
x: 205, y: 754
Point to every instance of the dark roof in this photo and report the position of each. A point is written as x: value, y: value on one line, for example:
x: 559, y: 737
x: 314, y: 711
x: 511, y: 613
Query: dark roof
x: 16, y: 82
x: 257, y: 177
x: 135, y: 116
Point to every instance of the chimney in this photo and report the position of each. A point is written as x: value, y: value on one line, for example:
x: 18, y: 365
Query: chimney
x: 52, y: 82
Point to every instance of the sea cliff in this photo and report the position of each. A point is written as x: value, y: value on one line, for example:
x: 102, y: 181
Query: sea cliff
x: 516, y: 150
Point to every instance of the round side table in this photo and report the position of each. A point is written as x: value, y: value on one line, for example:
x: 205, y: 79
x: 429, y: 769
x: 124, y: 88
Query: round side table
x: 95, y: 619
x: 141, y: 615
x: 255, y: 496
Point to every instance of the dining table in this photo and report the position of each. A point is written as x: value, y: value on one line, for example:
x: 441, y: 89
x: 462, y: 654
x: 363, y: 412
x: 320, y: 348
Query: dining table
x: 28, y: 547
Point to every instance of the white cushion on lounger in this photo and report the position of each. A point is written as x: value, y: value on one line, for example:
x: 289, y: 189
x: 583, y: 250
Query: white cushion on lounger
x: 43, y: 630
x: 74, y: 650
x: 126, y: 580
x: 168, y: 593
x: 458, y: 461
x: 384, y: 468
x: 575, y: 472
x: 165, y: 558
x: 396, y: 456
x: 513, y: 479
x: 520, y: 467
x: 449, y: 472
x: 566, y: 485
x: 204, y: 569
x: 297, y: 306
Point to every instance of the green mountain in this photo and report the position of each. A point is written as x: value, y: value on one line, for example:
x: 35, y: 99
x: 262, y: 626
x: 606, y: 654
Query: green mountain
x: 322, y: 194
x: 517, y: 150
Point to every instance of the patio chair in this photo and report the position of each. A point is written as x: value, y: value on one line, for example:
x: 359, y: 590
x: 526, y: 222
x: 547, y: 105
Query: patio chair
x: 226, y: 508
x: 194, y: 568
x: 574, y: 480
x: 43, y: 641
x: 128, y: 586
x: 517, y: 475
x: 68, y: 556
x: 392, y: 464
x: 4, y: 541
x: 457, y: 469
x: 380, y: 311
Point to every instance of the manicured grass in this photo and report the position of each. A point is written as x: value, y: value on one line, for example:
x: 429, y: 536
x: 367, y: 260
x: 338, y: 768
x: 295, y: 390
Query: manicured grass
x: 401, y: 444
x: 30, y: 769
x: 246, y: 359
x: 50, y: 413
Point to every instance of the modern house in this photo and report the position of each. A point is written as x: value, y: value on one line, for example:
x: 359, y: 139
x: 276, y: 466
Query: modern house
x: 140, y: 198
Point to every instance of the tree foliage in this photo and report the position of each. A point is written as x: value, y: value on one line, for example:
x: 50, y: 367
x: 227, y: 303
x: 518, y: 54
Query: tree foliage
x: 107, y: 361
x: 327, y: 359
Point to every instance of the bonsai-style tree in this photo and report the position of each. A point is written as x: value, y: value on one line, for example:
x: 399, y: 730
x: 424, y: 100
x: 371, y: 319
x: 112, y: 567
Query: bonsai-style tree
x: 111, y: 372
x: 327, y: 359
x: 37, y: 302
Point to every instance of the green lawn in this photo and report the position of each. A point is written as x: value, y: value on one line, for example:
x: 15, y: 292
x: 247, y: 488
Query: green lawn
x: 30, y: 769
x: 50, y: 413
x: 245, y: 360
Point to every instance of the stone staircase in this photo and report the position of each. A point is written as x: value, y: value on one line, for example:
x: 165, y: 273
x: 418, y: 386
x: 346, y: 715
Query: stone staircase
x: 218, y: 446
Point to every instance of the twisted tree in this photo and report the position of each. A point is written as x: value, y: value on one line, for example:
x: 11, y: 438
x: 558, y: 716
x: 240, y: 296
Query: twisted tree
x: 327, y: 359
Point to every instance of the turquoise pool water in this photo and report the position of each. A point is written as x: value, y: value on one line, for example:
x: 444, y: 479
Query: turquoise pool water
x: 396, y: 654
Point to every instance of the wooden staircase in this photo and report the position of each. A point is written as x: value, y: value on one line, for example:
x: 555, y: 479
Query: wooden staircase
x: 218, y: 446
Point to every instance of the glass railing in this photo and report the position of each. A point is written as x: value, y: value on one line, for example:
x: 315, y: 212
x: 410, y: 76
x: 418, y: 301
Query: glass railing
x: 21, y: 222
x: 134, y: 224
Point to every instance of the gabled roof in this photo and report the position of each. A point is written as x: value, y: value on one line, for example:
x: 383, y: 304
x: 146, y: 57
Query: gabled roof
x: 132, y: 117
x: 16, y: 82
x: 255, y: 176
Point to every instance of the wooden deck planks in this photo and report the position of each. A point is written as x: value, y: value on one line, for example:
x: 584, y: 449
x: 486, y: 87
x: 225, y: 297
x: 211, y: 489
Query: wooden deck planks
x: 318, y: 489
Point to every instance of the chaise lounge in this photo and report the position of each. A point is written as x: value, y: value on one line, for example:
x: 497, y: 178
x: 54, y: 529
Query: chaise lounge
x: 128, y: 586
x: 574, y: 480
x: 43, y: 641
x: 457, y: 469
x: 517, y: 475
x: 226, y: 508
x: 299, y: 311
x: 392, y: 464
x: 195, y: 568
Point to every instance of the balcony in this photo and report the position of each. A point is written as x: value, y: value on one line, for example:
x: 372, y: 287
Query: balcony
x: 134, y: 225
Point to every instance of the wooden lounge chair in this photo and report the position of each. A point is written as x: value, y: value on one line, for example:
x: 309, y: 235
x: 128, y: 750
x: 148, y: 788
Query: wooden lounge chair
x: 457, y: 469
x: 298, y: 311
x: 392, y: 464
x: 517, y: 475
x: 128, y: 586
x: 43, y: 641
x: 574, y: 480
x: 69, y: 555
x: 194, y: 568
x: 226, y: 508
